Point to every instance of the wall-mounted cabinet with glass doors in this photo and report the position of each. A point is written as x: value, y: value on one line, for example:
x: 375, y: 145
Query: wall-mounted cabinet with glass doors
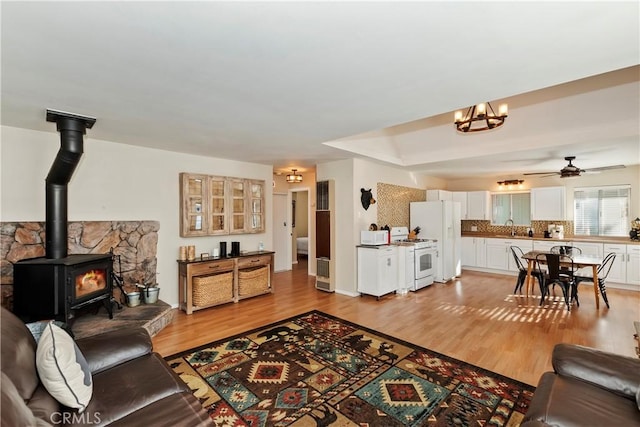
x: 216, y: 205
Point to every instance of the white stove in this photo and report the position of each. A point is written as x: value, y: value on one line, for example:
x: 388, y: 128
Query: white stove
x: 419, y: 258
x: 419, y: 243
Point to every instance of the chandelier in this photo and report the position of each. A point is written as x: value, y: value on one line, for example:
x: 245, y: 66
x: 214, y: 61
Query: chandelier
x: 294, y: 177
x: 480, y: 117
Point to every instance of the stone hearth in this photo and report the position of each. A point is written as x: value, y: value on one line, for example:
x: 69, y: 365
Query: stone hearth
x: 152, y: 317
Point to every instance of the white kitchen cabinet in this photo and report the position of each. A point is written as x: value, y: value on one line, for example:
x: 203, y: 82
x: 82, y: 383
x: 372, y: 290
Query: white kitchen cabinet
x: 626, y: 266
x: 478, y: 205
x: 546, y: 245
x: 468, y: 253
x: 461, y: 197
x: 548, y: 203
x: 497, y: 255
x: 481, y: 252
x: 633, y: 264
x: 377, y: 270
x: 588, y: 248
x: 474, y: 252
x: 618, y: 272
x: 436, y: 195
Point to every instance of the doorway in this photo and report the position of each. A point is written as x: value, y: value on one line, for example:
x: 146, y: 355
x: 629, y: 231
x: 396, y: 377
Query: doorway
x: 289, y: 224
x: 299, y: 225
x: 281, y: 233
x: 300, y: 241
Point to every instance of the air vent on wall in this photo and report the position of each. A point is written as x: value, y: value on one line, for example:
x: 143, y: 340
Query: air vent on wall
x: 322, y: 267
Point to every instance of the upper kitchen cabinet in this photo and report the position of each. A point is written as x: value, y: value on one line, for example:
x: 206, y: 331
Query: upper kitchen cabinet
x: 455, y: 196
x: 461, y: 197
x: 436, y: 195
x: 214, y: 205
x: 478, y: 205
x: 548, y: 203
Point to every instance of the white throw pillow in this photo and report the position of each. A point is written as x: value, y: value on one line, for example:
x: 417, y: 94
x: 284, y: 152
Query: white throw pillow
x: 63, y: 370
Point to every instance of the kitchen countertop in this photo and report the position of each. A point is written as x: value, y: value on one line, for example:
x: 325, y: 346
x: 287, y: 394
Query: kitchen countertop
x: 592, y: 239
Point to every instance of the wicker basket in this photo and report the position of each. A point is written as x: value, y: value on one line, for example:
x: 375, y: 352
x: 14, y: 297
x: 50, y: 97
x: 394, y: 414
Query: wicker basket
x: 212, y: 289
x: 253, y: 280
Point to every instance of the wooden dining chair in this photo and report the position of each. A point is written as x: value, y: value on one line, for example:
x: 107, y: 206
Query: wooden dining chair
x: 562, y: 277
x: 603, y: 272
x: 517, y: 254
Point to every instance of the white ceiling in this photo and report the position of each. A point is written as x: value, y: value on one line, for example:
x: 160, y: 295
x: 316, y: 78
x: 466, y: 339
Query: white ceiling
x: 294, y: 84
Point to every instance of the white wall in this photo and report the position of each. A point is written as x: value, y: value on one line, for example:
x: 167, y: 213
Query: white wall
x: 119, y: 182
x: 350, y: 176
x: 629, y: 175
x: 368, y: 174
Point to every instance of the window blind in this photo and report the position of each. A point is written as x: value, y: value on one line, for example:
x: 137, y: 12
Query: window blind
x: 515, y: 206
x: 602, y: 211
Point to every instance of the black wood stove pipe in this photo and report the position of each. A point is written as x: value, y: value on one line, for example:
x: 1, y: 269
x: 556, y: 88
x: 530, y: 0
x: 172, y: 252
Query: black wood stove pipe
x: 72, y: 127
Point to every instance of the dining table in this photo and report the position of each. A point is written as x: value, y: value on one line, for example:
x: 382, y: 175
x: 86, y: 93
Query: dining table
x: 579, y: 261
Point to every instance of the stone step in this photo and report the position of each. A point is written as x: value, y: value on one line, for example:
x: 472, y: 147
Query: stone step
x: 152, y: 317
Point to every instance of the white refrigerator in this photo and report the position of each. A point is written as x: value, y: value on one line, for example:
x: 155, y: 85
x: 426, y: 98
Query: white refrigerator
x: 440, y: 220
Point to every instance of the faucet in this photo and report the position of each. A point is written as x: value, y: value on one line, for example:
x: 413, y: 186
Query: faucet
x: 513, y: 231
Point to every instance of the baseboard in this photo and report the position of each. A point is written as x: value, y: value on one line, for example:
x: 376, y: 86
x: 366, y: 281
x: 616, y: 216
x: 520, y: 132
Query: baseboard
x: 347, y: 293
x: 625, y: 286
x: 488, y: 270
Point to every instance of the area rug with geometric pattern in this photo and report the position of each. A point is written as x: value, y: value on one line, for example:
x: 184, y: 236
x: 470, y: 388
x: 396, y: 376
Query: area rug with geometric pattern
x: 318, y: 370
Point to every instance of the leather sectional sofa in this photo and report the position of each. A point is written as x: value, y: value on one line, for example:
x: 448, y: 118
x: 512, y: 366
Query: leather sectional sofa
x: 132, y: 385
x: 588, y: 387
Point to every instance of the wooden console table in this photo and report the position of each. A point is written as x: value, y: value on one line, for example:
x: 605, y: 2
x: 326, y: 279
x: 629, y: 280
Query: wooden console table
x: 227, y: 279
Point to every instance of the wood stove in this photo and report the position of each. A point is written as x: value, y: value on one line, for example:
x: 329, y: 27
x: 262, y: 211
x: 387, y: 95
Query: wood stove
x: 57, y: 285
x: 57, y: 288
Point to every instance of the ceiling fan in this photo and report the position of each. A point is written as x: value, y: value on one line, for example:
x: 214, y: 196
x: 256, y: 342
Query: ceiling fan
x: 571, y: 170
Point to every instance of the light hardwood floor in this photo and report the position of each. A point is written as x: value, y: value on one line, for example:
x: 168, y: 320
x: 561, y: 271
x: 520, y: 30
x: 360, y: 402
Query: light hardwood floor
x: 475, y: 318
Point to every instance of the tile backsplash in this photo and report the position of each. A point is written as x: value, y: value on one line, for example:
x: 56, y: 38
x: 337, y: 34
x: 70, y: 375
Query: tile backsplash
x: 393, y: 203
x: 538, y: 227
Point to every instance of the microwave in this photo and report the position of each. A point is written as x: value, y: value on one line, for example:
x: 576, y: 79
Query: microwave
x: 380, y: 237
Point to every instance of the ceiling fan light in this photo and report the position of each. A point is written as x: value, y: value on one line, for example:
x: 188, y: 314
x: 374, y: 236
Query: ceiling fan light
x: 572, y: 171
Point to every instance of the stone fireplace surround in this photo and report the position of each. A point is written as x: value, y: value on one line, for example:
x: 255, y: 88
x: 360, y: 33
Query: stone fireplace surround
x: 135, y: 241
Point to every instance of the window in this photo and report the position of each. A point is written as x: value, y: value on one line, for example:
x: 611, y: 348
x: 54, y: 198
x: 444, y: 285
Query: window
x: 515, y: 206
x: 602, y: 211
